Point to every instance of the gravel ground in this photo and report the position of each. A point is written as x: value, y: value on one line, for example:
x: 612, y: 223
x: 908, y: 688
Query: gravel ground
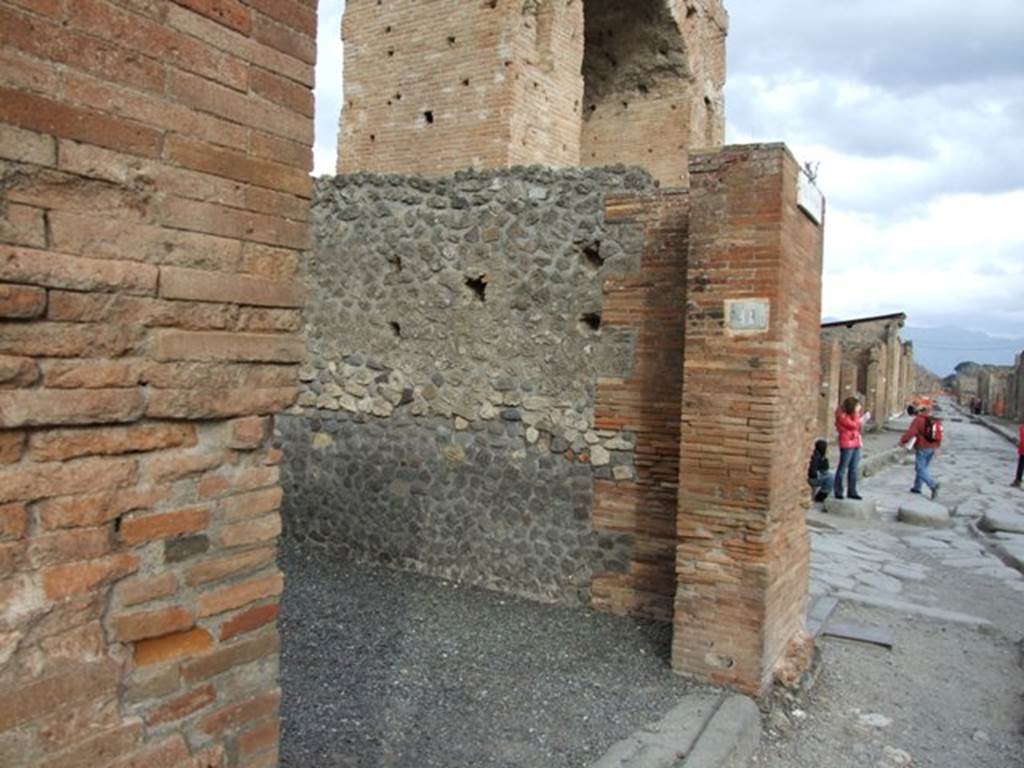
x: 382, y: 668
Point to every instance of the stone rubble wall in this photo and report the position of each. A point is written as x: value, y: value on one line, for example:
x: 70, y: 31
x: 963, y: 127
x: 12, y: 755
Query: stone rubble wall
x: 154, y: 203
x: 460, y: 337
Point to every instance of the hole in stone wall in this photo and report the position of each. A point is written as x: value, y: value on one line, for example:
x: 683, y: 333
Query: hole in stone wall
x: 465, y: 81
x: 396, y: 263
x: 451, y: 39
x: 391, y: 51
x: 590, y: 322
x: 396, y: 329
x: 478, y: 286
x: 429, y: 116
x: 373, y: 137
x: 591, y: 256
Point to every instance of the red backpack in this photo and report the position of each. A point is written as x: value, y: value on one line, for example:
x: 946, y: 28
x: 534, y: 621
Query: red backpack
x: 932, y: 430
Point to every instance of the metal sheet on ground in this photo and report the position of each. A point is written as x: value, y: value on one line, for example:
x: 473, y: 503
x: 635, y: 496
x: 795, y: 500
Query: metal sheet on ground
x: 883, y: 636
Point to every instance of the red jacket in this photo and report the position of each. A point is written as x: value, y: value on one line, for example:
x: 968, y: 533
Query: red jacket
x: 916, y: 429
x: 848, y: 428
x: 1020, y: 441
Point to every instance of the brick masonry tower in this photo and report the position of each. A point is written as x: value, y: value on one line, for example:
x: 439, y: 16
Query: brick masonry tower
x: 435, y: 86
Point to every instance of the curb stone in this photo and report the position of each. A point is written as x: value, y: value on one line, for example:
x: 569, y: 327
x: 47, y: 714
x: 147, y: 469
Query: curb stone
x: 704, y: 731
x: 730, y: 738
x: 1005, y: 556
x: 939, y: 614
x: 872, y: 465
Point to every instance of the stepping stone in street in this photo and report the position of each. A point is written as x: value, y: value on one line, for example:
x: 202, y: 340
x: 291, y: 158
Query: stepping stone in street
x: 1002, y: 519
x: 924, y: 513
x: 858, y: 510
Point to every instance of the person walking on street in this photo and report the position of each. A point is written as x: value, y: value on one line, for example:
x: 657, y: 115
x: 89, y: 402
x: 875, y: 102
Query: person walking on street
x: 849, y: 423
x: 1020, y: 458
x: 818, y: 476
x: 926, y: 433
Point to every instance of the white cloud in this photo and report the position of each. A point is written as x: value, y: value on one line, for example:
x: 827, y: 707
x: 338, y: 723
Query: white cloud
x: 958, y: 262
x: 329, y: 63
x: 914, y: 112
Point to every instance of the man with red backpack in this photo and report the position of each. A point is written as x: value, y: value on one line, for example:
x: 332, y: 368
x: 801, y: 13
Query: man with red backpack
x: 926, y: 432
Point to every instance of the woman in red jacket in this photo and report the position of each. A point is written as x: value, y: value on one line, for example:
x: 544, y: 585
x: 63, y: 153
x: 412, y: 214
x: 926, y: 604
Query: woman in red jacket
x: 1020, y: 458
x: 849, y: 422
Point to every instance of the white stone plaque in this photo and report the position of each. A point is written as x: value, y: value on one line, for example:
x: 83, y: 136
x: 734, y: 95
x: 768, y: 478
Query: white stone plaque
x: 747, y: 315
x: 809, y: 198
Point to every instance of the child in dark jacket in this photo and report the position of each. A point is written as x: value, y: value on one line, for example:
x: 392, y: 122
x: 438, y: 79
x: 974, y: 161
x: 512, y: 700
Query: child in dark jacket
x: 818, y: 476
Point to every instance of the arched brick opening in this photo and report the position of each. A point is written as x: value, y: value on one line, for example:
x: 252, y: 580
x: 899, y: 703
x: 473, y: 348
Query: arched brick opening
x: 637, y: 92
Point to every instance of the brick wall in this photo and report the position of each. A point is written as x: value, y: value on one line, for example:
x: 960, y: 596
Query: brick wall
x: 650, y: 306
x: 748, y: 419
x: 653, y: 73
x: 154, y: 193
x: 434, y: 87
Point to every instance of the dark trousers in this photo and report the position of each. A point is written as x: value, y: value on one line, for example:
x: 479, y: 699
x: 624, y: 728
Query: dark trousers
x: 1020, y: 469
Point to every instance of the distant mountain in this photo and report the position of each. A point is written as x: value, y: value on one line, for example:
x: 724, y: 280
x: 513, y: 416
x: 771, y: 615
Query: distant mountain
x: 940, y: 350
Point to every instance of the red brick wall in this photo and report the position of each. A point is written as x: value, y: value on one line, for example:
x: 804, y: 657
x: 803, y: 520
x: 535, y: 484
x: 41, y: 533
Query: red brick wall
x: 153, y: 206
x: 647, y: 403
x: 748, y: 417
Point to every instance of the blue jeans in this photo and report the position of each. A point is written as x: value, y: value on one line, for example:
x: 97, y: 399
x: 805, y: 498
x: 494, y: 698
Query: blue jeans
x: 922, y: 459
x: 823, y: 483
x: 849, y: 465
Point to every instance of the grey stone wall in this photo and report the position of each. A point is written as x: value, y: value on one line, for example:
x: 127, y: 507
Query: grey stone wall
x: 455, y: 345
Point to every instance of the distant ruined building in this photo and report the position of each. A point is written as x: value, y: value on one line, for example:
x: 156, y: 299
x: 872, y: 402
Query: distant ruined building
x: 1015, y: 389
x: 867, y: 359
x: 996, y: 390
x: 491, y: 356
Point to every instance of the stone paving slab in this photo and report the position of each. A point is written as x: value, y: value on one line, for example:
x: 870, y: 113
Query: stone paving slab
x: 922, y: 512
x: 852, y: 508
x: 1002, y: 519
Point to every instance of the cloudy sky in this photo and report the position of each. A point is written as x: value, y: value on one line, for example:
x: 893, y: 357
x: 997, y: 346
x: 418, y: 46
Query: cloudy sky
x: 914, y: 110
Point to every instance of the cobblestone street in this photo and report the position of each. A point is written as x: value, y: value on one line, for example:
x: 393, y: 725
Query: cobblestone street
x: 949, y: 693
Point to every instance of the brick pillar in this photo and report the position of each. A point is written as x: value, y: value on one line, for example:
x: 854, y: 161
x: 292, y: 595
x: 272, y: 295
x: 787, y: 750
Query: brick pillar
x: 155, y: 202
x: 875, y: 382
x: 750, y: 384
x: 831, y: 366
x: 848, y: 374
